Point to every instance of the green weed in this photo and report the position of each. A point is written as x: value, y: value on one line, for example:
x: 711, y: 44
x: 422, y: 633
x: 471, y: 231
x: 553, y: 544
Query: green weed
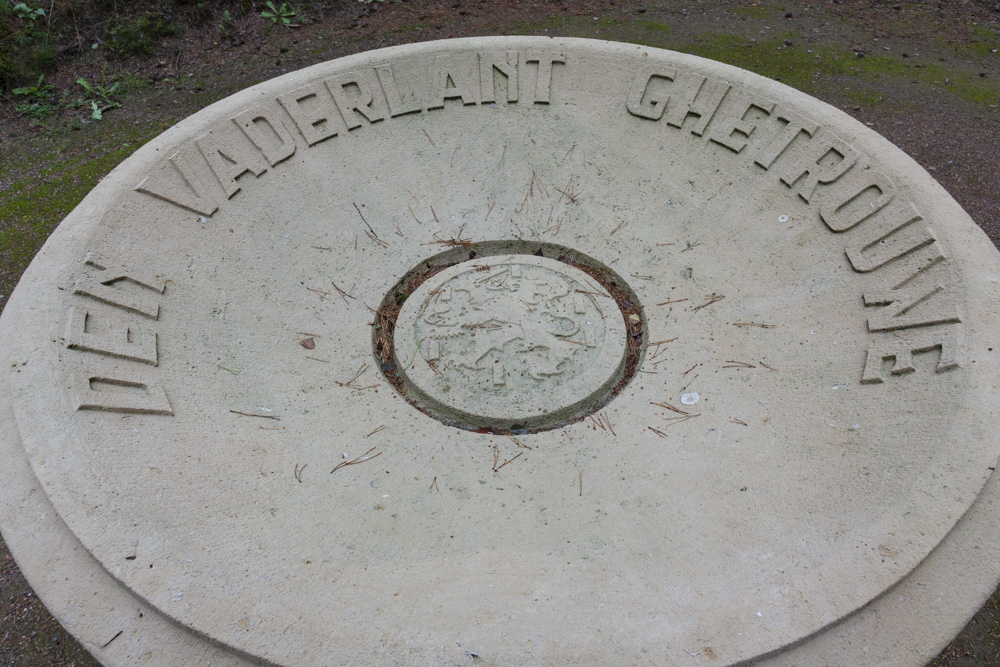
x: 39, y: 100
x: 283, y: 14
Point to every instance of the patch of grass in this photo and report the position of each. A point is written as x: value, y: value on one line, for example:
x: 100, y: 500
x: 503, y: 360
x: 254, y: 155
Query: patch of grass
x: 755, y: 11
x: 986, y: 44
x: 630, y: 29
x: 138, y: 35
x: 797, y: 67
x: 131, y: 83
x: 63, y: 175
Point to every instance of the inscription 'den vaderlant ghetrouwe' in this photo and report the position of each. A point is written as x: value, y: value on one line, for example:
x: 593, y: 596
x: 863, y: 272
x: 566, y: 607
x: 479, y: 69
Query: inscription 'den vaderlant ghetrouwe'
x: 885, y: 233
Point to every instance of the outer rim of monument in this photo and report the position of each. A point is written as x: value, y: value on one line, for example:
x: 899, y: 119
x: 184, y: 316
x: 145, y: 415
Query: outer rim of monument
x: 74, y: 586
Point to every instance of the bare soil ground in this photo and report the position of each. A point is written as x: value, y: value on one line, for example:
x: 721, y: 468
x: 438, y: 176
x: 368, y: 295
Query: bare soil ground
x: 924, y: 74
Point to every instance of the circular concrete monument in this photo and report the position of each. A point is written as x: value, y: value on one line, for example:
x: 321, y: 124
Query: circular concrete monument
x: 515, y: 350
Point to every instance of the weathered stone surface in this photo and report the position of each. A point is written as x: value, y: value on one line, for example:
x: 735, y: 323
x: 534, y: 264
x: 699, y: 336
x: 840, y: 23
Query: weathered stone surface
x: 510, y: 341
x: 813, y: 415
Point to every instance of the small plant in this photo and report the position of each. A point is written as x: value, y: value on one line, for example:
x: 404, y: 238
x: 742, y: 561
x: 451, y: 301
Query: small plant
x: 226, y: 27
x: 283, y: 14
x: 26, y: 13
x: 39, y: 100
x: 98, y: 96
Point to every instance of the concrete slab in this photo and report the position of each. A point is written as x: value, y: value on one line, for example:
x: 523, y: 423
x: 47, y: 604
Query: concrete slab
x: 205, y: 422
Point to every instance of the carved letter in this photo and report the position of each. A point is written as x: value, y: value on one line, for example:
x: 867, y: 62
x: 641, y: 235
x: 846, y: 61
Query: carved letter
x: 266, y: 129
x: 783, y: 138
x: 491, y: 63
x: 824, y: 160
x: 898, y: 303
x: 313, y: 111
x: 99, y: 285
x: 451, y: 80
x: 130, y: 395
x: 229, y: 155
x: 735, y: 121
x: 353, y: 105
x: 644, y: 99
x: 868, y: 191
x: 699, y: 97
x: 399, y: 103
x: 177, y: 182
x: 543, y: 81
x: 902, y: 346
x: 116, y: 339
x: 894, y: 232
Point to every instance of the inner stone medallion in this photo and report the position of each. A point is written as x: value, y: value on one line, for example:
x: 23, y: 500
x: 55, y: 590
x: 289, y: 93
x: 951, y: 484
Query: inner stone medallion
x: 508, y: 342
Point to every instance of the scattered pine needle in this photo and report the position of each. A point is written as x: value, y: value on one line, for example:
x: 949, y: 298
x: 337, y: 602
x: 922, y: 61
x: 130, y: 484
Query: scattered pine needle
x: 754, y: 324
x: 568, y: 192
x: 719, y: 190
x: 712, y: 298
x: 454, y: 242
x: 298, y: 472
x: 682, y: 418
x: 376, y: 239
x: 666, y: 405
x: 518, y: 442
x: 343, y: 295
x: 662, y: 342
x: 737, y: 421
x: 770, y: 368
x: 375, y: 431
x: 738, y: 364
x: 664, y: 303
x: 620, y: 225
x: 250, y: 414
x: 657, y: 431
x: 434, y: 485
x: 321, y: 293
x: 359, y: 459
x: 429, y: 138
x: 352, y: 384
x: 497, y: 469
x: 413, y: 214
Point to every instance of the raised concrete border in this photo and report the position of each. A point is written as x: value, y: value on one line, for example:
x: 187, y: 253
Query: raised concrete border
x: 944, y: 585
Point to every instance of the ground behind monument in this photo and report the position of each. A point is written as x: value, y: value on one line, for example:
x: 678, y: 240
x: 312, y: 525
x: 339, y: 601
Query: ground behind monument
x: 925, y: 75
